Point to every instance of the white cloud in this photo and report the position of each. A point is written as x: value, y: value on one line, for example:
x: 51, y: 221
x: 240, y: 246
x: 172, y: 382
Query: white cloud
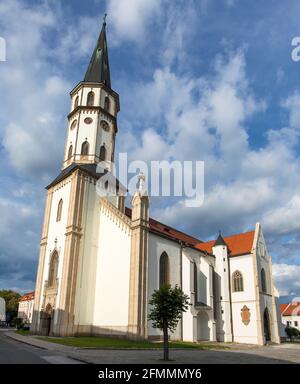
x: 286, y: 278
x: 130, y: 18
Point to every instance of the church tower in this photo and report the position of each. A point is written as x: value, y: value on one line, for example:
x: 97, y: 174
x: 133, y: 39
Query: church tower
x: 92, y: 121
x: 71, y: 218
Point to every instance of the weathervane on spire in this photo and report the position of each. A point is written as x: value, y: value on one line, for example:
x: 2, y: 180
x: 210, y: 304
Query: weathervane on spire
x: 104, y: 18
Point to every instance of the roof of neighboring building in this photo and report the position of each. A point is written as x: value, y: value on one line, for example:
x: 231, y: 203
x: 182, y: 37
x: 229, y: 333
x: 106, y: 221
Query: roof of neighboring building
x: 292, y: 309
x: 27, y: 297
x: 239, y: 244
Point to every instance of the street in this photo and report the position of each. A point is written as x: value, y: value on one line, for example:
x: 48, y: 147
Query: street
x: 14, y: 352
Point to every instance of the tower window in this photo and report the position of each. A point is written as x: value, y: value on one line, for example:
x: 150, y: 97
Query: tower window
x: 70, y: 151
x: 85, y: 148
x: 263, y: 280
x: 53, y: 268
x: 90, y: 98
x: 106, y: 103
x: 59, y: 210
x: 237, y: 282
x: 102, y: 153
x: 76, y: 102
x: 164, y: 270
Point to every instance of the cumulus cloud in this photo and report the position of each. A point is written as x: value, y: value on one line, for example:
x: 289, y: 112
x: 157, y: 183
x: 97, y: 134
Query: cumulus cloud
x: 286, y: 278
x: 130, y: 18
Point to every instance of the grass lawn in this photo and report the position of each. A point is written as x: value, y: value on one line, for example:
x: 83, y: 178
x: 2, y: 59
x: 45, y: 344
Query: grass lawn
x: 108, y: 342
x: 22, y: 332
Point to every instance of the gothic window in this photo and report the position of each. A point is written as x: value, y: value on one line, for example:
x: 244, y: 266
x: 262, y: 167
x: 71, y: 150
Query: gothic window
x: 59, y: 210
x: 53, y: 268
x: 106, y: 103
x: 195, y: 281
x: 102, y: 153
x: 70, y: 151
x: 90, y: 98
x: 164, y: 270
x: 76, y: 102
x: 263, y: 280
x: 85, y: 148
x: 237, y: 281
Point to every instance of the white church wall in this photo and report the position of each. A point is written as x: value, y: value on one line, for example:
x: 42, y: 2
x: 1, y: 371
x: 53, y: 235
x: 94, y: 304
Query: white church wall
x: 244, y: 333
x: 158, y: 245
x: 86, y: 278
x: 189, y: 317
x: 112, y: 273
x: 267, y: 299
x: 56, y: 233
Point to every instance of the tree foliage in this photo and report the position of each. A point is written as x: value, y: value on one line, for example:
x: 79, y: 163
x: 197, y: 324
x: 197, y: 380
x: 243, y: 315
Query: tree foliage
x: 12, y: 302
x: 168, y: 304
x: 292, y: 332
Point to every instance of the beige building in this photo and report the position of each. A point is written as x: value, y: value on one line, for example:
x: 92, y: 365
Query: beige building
x: 25, y: 309
x: 100, y: 262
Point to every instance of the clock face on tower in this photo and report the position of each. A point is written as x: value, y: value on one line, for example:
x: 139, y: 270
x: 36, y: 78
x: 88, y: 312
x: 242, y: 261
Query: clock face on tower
x: 104, y: 125
x: 88, y: 120
x: 73, y: 125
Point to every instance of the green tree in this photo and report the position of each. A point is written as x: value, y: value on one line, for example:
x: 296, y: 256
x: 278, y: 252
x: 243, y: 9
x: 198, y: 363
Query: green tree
x: 168, y: 304
x: 12, y: 302
x: 292, y: 332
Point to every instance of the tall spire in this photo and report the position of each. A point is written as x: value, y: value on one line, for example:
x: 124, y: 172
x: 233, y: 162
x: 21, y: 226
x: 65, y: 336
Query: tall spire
x: 98, y: 69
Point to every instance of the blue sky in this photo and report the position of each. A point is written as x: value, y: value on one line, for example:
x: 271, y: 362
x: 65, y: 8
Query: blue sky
x: 207, y: 80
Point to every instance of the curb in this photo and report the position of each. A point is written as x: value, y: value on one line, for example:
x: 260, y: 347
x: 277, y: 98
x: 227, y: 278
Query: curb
x: 24, y: 341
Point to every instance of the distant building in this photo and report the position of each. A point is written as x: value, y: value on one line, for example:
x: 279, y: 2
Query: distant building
x: 25, y: 309
x: 290, y: 314
x: 2, y: 309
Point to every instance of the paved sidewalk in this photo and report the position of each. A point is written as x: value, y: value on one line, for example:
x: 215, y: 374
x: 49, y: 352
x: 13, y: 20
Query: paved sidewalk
x: 281, y: 354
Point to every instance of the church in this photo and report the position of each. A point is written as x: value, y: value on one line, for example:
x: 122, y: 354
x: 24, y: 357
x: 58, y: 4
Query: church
x: 100, y: 261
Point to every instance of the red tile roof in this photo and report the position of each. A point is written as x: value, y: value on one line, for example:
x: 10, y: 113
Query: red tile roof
x: 292, y: 309
x: 27, y: 296
x: 239, y: 244
x: 161, y: 229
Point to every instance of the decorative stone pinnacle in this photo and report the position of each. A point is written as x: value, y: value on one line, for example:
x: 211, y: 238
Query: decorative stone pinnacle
x: 141, y: 178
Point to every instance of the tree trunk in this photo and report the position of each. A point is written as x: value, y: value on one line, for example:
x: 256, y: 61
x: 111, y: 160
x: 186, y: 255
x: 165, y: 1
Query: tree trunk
x: 166, y: 342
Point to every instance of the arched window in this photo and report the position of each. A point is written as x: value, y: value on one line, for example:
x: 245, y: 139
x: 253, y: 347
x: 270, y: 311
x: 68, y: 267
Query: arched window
x: 85, y: 148
x: 53, y: 268
x: 70, y: 151
x: 106, y: 103
x: 76, y: 102
x: 59, y: 210
x: 102, y: 153
x: 237, y: 281
x: 195, y: 281
x: 90, y: 99
x: 263, y: 280
x: 164, y: 270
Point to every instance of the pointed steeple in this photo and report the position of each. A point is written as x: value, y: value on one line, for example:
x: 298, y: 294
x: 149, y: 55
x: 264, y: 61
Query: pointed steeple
x: 220, y: 240
x: 98, y: 69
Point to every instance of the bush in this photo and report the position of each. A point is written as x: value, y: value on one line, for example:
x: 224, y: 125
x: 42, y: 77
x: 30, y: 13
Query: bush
x: 292, y: 332
x: 18, y: 322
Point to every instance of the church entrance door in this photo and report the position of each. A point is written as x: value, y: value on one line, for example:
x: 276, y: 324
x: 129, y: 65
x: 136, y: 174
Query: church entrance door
x: 267, y: 331
x: 48, y: 320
